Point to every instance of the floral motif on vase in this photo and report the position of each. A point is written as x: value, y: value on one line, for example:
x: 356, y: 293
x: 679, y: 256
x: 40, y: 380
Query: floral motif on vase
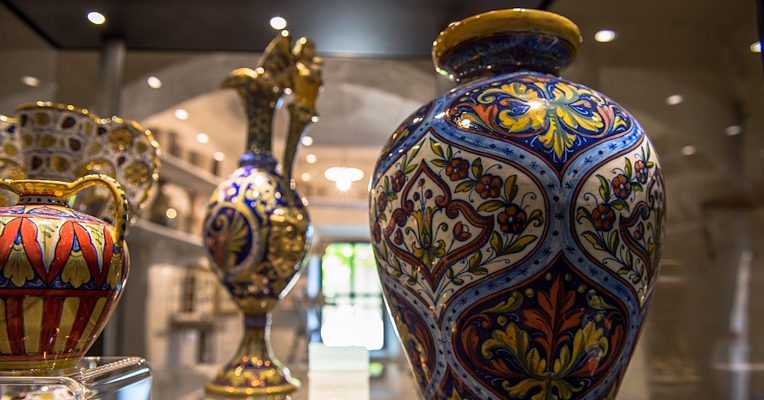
x: 521, y: 223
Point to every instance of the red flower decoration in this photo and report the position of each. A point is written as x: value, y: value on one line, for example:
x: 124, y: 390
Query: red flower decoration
x: 457, y: 169
x: 382, y: 201
x: 641, y: 171
x: 377, y: 232
x: 639, y: 233
x: 603, y: 217
x: 621, y: 186
x: 488, y: 186
x: 460, y: 233
x: 512, y: 219
x: 398, y: 180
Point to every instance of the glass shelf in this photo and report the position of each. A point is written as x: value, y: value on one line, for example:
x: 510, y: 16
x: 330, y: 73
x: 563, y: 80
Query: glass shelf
x: 112, y: 378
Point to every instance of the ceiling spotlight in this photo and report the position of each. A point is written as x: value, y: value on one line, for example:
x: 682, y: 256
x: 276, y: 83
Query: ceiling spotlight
x: 305, y: 176
x: 343, y: 176
x: 96, y: 18
x: 307, y: 140
x: 181, y: 114
x: 218, y: 156
x: 154, y: 82
x: 171, y: 213
x: 733, y: 130
x: 30, y: 81
x: 604, y: 36
x: 311, y: 158
x: 674, y: 99
x: 278, y: 23
x: 688, y: 150
x: 756, y: 47
x: 202, y: 138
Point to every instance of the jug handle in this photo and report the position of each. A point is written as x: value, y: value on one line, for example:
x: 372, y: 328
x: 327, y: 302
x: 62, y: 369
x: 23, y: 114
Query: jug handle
x: 64, y: 190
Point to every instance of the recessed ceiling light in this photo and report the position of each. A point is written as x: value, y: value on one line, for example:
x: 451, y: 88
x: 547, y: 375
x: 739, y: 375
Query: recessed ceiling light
x: 604, y: 36
x: 733, y: 130
x: 218, y: 156
x: 202, y: 138
x: 756, y: 47
x: 307, y: 140
x: 96, y: 17
x: 311, y: 158
x: 305, y: 176
x: 181, y: 114
x: 154, y: 82
x: 30, y: 81
x: 688, y: 150
x: 674, y: 99
x: 278, y: 23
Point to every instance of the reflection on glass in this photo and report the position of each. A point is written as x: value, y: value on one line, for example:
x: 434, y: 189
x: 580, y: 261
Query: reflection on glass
x: 352, y: 315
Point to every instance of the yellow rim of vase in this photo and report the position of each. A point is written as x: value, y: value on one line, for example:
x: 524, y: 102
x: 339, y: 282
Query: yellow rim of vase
x: 492, y: 22
x: 154, y: 177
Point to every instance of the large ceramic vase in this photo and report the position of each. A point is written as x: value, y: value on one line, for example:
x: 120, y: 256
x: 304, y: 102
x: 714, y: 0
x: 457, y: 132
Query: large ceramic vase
x: 62, y: 271
x: 256, y: 228
x: 517, y: 220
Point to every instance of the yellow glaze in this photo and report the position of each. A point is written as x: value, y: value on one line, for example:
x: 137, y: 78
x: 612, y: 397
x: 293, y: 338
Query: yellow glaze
x: 494, y: 22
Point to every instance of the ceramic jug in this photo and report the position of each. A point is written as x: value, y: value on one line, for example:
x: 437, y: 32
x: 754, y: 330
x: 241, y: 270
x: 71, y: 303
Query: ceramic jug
x: 517, y: 220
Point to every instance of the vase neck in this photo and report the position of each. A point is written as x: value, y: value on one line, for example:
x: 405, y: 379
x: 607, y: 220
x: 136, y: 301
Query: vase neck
x: 506, y: 41
x: 41, y: 199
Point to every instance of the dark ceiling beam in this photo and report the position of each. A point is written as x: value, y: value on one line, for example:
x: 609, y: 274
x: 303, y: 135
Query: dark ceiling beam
x: 545, y: 4
x: 28, y: 21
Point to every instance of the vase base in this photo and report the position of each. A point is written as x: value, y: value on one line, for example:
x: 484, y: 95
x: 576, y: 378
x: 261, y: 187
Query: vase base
x: 270, y: 392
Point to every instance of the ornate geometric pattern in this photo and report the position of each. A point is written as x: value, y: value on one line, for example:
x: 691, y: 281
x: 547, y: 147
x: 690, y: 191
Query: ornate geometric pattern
x: 519, y: 228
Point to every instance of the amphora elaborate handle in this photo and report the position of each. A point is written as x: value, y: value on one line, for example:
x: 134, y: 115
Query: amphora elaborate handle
x: 64, y: 190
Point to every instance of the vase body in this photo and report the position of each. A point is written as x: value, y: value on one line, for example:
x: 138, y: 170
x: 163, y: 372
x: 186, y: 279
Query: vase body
x: 517, y: 223
x: 256, y: 230
x: 62, y: 273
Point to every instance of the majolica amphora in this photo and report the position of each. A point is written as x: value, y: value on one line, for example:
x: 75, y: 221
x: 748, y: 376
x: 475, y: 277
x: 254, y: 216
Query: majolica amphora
x: 62, y: 271
x: 517, y: 220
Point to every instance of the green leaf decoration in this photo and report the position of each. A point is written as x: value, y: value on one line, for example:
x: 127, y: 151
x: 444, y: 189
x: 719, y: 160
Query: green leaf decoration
x: 520, y: 244
x: 387, y: 184
x: 392, y: 196
x: 628, y: 169
x: 595, y: 240
x: 458, y: 281
x: 650, y: 164
x: 624, y: 271
x: 648, y: 154
x: 465, y: 186
x: 630, y: 259
x: 583, y: 213
x: 411, y: 282
x: 597, y: 302
x: 637, y: 186
x: 497, y: 243
x: 537, y: 218
x: 477, y: 168
x: 435, y: 146
x: 604, y: 188
x: 475, y: 260
x: 449, y: 153
x: 635, y: 280
x: 491, y: 205
x: 620, y: 204
x: 415, y: 150
x: 511, y: 304
x: 479, y: 271
x: 438, y: 162
x: 614, y: 241
x: 405, y: 159
x: 382, y: 217
x: 409, y: 169
x: 449, y: 273
x: 510, y: 188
